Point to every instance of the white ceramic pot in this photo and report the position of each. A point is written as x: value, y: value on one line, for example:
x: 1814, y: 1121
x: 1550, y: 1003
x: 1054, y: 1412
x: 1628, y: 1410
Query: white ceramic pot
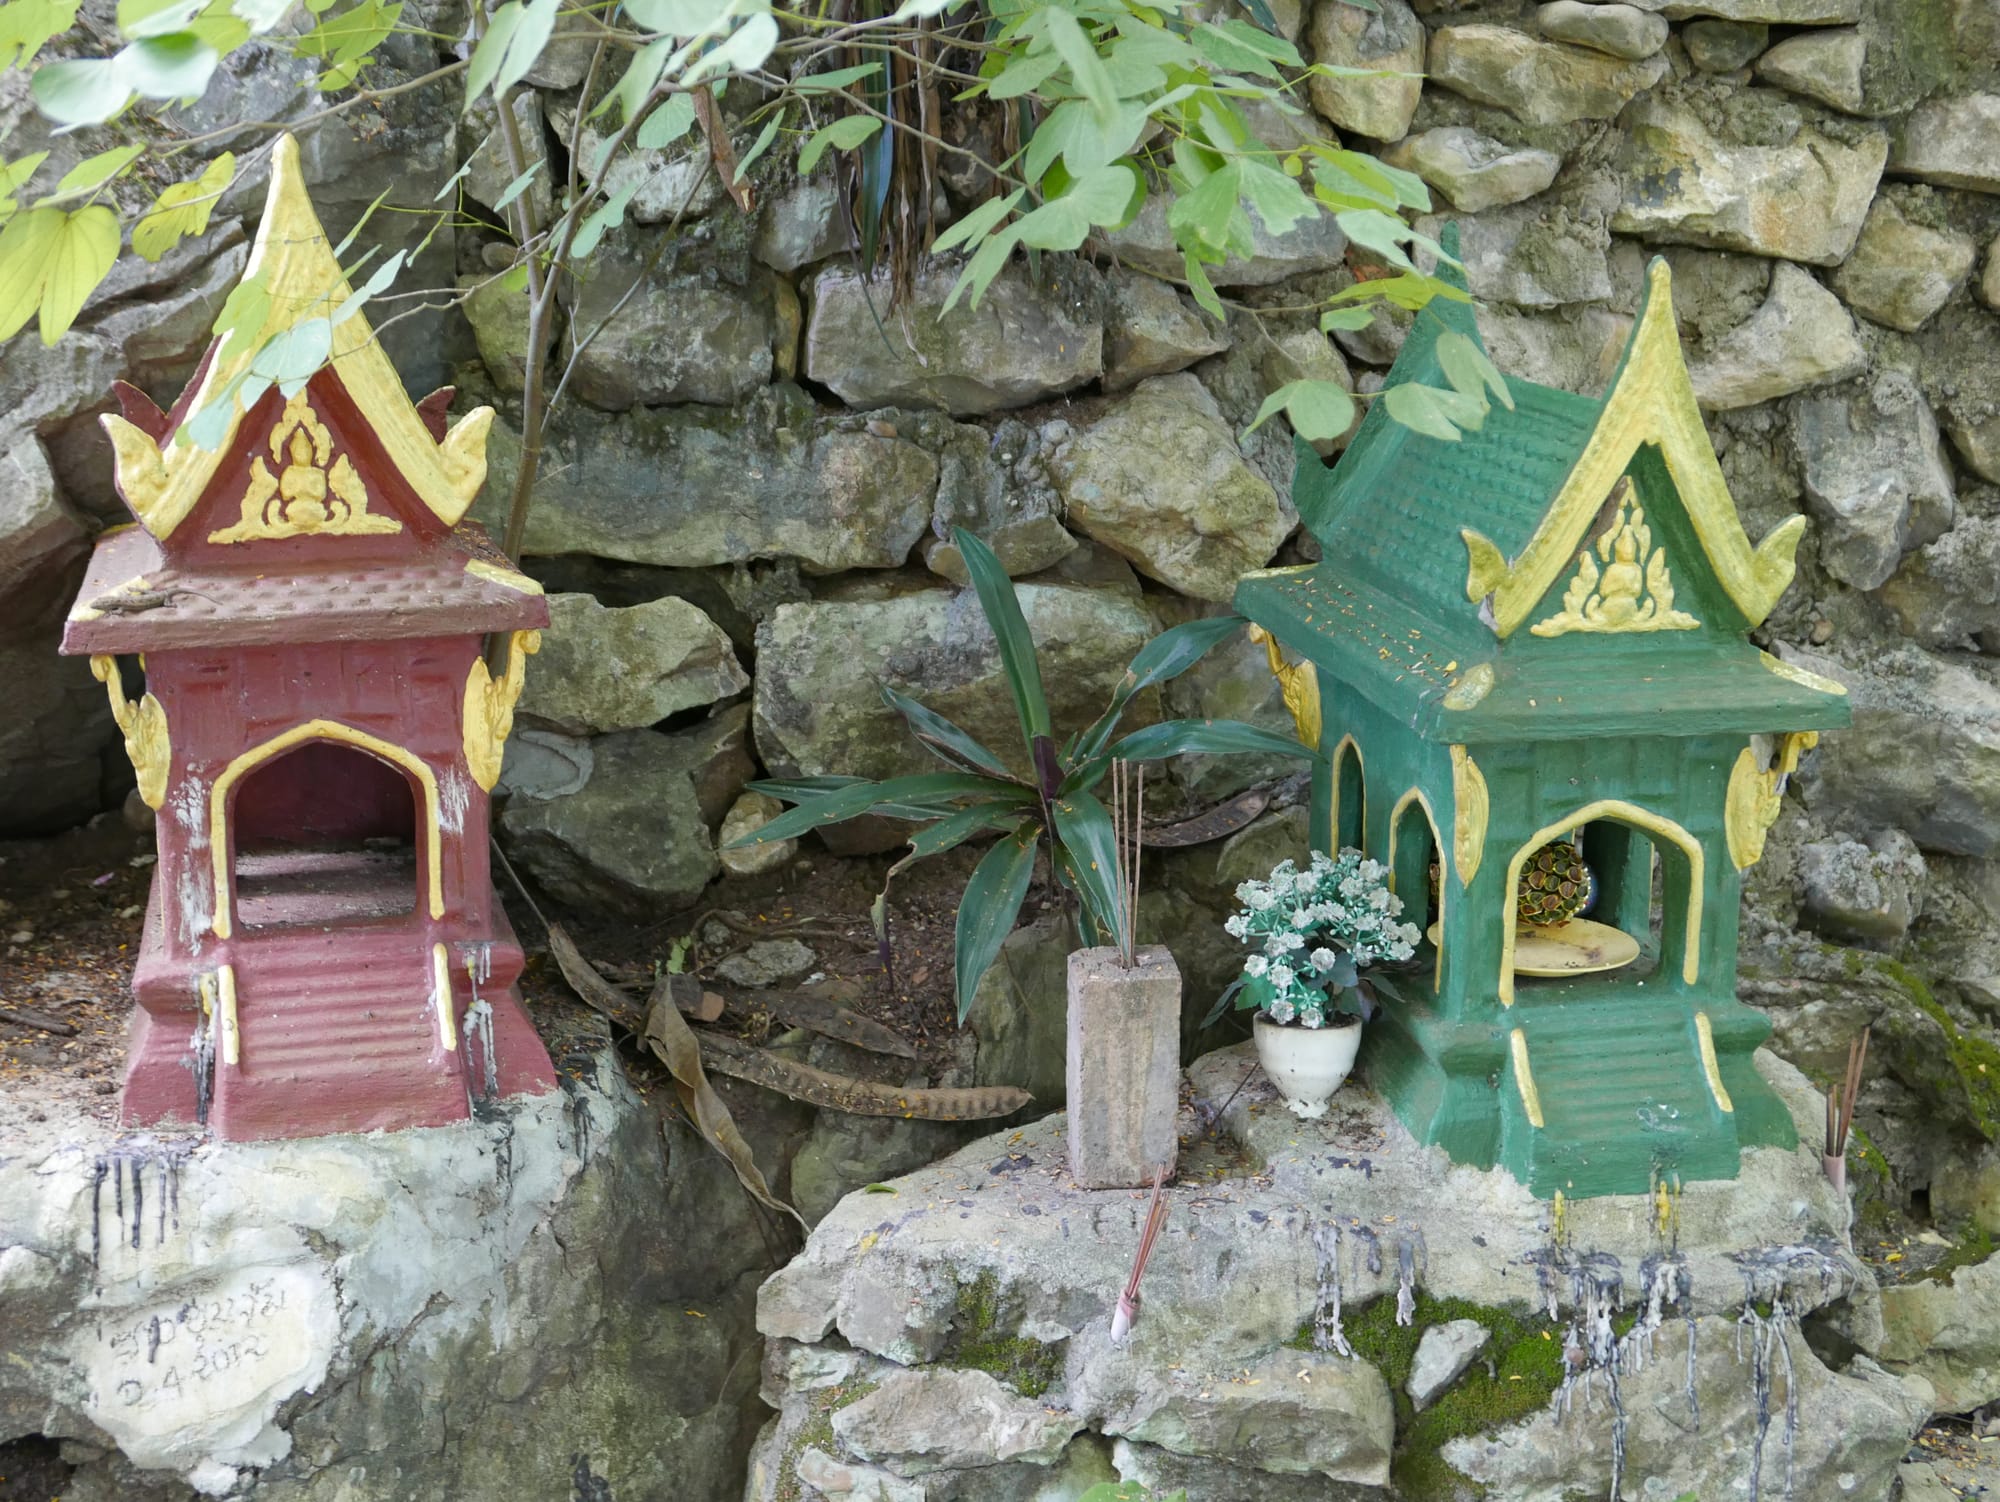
x: 1307, y: 1064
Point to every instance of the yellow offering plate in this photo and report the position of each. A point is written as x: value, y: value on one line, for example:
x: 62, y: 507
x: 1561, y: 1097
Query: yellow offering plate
x: 1578, y: 947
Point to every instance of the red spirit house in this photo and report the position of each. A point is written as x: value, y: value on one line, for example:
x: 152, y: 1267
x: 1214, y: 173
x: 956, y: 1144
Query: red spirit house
x: 323, y: 951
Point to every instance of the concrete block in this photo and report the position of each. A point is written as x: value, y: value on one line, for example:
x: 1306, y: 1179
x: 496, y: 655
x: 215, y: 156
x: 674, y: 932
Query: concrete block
x: 1124, y: 1067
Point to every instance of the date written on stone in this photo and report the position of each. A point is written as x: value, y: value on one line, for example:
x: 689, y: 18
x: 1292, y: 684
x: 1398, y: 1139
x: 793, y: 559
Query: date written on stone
x: 164, y: 1354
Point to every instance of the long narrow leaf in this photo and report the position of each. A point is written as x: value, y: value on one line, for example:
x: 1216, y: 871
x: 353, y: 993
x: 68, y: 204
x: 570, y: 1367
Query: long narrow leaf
x: 798, y: 789
x: 1010, y: 630
x: 989, y: 908
x: 1166, y: 656
x: 1208, y: 737
x: 887, y: 797
x: 1083, y: 828
x: 942, y: 737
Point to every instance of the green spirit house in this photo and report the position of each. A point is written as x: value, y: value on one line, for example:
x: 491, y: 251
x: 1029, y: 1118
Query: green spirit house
x: 1532, y: 647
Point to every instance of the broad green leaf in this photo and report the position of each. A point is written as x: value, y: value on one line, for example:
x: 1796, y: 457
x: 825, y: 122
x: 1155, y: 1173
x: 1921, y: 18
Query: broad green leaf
x: 607, y: 217
x: 1207, y: 737
x: 917, y: 10
x: 945, y: 739
x: 1086, y: 68
x: 838, y: 78
x: 1468, y: 369
x: 156, y: 18
x: 1203, y: 216
x: 260, y: 15
x: 27, y: 242
x: 27, y: 25
x: 1096, y: 198
x: 798, y: 789
x: 14, y: 174
x: 83, y: 254
x: 1202, y: 289
x: 175, y: 66
x: 988, y: 910
x: 1318, y: 411
x: 985, y: 264
x: 843, y: 135
x: 1374, y: 230
x: 977, y: 223
x: 1228, y: 49
x: 538, y: 21
x: 518, y: 186
x: 83, y: 91
x: 1010, y: 632
x: 1421, y: 409
x: 1083, y: 825
x: 88, y: 174
x: 1279, y: 201
x: 667, y: 124
x: 857, y: 799
x: 745, y: 49
x: 491, y: 52
x: 763, y: 143
x: 293, y: 356
x: 245, y: 310
x: 1345, y: 318
x: 680, y: 18
x: 207, y: 428
x: 1024, y: 74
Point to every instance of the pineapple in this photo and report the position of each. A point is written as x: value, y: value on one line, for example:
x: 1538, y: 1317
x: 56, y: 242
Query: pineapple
x: 1555, y: 885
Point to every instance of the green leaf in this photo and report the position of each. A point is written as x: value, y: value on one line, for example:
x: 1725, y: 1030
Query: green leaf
x: 1422, y: 409
x: 985, y: 264
x: 1244, y: 49
x: 154, y: 18
x: 27, y: 242
x: 844, y: 134
x: 1205, y: 215
x: 176, y: 66
x: 518, y: 186
x: 763, y: 144
x: 607, y: 217
x: 83, y: 91
x: 1205, y: 737
x: 944, y: 738
x: 838, y: 78
x: 1165, y: 657
x: 373, y: 287
x: 538, y: 21
x: 1279, y: 201
x: 27, y: 25
x: 1319, y: 411
x: 1345, y: 318
x: 798, y: 789
x: 1374, y: 230
x: 744, y: 50
x: 924, y: 9
x: 1010, y: 631
x: 635, y: 84
x: 1024, y: 74
x: 14, y: 174
x: 681, y: 18
x: 82, y: 255
x: 260, y: 15
x: 955, y: 829
x: 1083, y: 825
x: 1202, y: 288
x: 1468, y: 369
x: 1096, y: 198
x: 876, y: 1189
x: 293, y: 356
x: 1086, y: 68
x: 861, y: 798
x: 989, y: 909
x: 668, y: 123
x: 492, y: 50
x: 977, y: 223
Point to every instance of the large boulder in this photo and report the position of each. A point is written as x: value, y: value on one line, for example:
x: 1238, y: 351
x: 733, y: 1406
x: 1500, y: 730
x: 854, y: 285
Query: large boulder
x: 1542, y: 83
x: 1152, y: 329
x: 1875, y: 476
x: 1948, y: 594
x: 373, y: 1318
x: 1822, y: 65
x: 602, y: 669
x: 1474, y: 171
x: 1802, y: 196
x: 1902, y: 271
x: 1387, y: 40
x: 821, y: 669
x: 1160, y: 480
x: 1800, y: 337
x: 1954, y: 142
x: 1029, y: 337
x: 1947, y: 1331
x: 1546, y: 253
x: 1626, y: 31
x: 689, y: 487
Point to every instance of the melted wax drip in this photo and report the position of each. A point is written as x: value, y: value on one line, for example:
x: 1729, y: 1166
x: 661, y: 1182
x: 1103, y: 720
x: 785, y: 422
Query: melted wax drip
x: 166, y: 1195
x: 1411, y: 1254
x: 1770, y: 1274
x: 1327, y: 1334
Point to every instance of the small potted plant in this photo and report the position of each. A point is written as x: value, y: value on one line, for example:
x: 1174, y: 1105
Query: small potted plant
x: 1318, y: 931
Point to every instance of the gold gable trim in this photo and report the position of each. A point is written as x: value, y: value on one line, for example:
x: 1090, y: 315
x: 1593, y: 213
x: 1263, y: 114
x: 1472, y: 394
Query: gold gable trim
x: 295, y: 260
x: 1651, y: 401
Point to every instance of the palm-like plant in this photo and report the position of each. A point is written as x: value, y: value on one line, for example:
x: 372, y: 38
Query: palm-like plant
x: 1057, y: 802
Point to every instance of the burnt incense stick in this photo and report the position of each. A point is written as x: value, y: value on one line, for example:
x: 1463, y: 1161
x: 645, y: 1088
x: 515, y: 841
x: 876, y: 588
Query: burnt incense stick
x: 1127, y: 1312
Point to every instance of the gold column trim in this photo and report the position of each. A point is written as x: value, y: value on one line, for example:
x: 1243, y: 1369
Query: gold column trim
x: 319, y: 730
x: 1470, y: 806
x: 1632, y: 591
x: 231, y: 1040
x: 489, y: 707
x: 1629, y: 813
x: 441, y: 993
x: 1299, y: 683
x: 1651, y: 401
x: 1705, y: 1035
x: 144, y: 724
x: 1756, y: 795
x: 1524, y: 1079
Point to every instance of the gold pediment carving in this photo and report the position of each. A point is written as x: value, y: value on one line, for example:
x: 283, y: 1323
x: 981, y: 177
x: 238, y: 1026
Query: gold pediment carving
x: 313, y: 493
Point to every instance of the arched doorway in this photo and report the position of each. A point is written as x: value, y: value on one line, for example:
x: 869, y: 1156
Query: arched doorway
x: 1350, y: 797
x: 1417, y: 871
x: 324, y: 824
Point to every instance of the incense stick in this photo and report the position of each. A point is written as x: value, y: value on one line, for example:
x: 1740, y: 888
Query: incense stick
x: 1127, y: 1312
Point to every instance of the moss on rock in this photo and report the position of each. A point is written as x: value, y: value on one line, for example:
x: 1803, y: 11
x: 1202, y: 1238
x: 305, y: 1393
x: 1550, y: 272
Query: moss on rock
x: 979, y: 1341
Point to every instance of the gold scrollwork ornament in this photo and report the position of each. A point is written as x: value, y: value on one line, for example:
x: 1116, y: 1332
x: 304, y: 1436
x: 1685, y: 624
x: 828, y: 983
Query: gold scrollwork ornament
x: 1298, y: 683
x: 145, y: 726
x: 1756, y: 795
x: 489, y: 708
x: 1470, y: 808
x: 1632, y: 591
x: 312, y: 495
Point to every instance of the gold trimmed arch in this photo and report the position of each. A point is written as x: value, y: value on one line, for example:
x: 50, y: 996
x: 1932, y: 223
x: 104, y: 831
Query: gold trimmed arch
x: 1628, y: 813
x: 1417, y: 796
x: 1347, y: 745
x: 298, y: 735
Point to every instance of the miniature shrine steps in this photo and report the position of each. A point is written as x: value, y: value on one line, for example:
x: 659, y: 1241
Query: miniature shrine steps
x: 1623, y: 1094
x: 353, y: 1057
x: 291, y: 886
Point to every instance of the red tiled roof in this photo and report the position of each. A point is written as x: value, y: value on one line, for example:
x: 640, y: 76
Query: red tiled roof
x: 438, y: 596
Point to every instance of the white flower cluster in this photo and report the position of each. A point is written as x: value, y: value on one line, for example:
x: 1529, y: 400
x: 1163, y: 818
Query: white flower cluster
x: 1316, y: 929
